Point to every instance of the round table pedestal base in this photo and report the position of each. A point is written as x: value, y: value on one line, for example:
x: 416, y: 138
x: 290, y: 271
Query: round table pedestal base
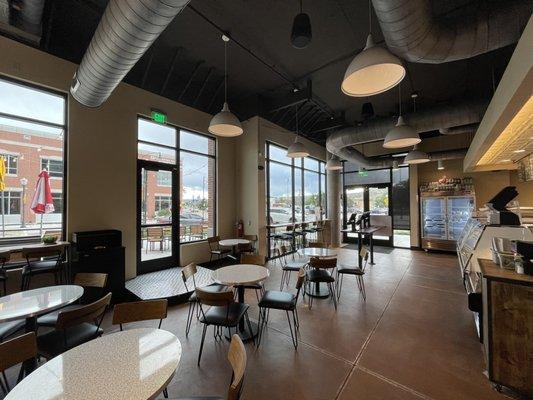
x: 245, y: 333
x: 320, y: 292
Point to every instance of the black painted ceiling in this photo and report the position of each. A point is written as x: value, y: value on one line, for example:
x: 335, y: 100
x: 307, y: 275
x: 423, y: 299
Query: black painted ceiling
x: 264, y: 65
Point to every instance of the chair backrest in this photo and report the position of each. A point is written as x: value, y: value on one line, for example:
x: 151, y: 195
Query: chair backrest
x: 253, y: 259
x: 324, y: 263
x: 53, y: 250
x: 136, y: 311
x: 87, y: 313
x: 5, y: 256
x: 90, y: 279
x: 217, y: 299
x: 155, y: 232
x: 213, y: 242
x: 237, y: 359
x: 187, y: 272
x: 17, y: 350
x: 244, y: 246
x: 317, y: 245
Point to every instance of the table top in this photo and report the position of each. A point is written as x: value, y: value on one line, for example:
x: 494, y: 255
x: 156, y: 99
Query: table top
x: 19, y: 247
x: 135, y: 364
x: 317, y: 252
x: 233, y: 242
x: 369, y: 230
x: 31, y: 303
x: 241, y: 274
x: 493, y: 271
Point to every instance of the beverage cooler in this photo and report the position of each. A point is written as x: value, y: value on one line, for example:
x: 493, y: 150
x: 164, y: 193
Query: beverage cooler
x: 443, y: 219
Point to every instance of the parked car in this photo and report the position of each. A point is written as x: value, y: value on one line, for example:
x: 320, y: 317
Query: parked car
x: 280, y: 215
x: 191, y: 219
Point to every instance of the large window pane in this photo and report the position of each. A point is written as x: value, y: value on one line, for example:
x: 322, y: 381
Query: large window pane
x: 277, y: 153
x: 298, y: 195
x: 311, y: 163
x: 198, y: 143
x: 156, y: 153
x: 323, y: 192
x: 197, y: 195
x: 400, y: 207
x: 24, y: 101
x: 156, y: 133
x: 280, y: 195
x: 312, y: 193
x: 367, y: 177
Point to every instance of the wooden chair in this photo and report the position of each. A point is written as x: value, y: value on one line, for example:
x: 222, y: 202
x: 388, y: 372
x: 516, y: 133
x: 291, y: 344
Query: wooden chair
x: 277, y: 300
x: 189, y: 272
x: 154, y: 235
x: 319, y: 272
x: 5, y: 256
x: 137, y: 311
x: 289, y: 266
x: 356, y: 271
x: 42, y: 260
x: 224, y: 312
x: 74, y: 327
x: 248, y: 247
x: 197, y: 232
x: 237, y: 358
x: 16, y: 351
x: 93, y: 284
x: 254, y: 259
x: 215, y: 249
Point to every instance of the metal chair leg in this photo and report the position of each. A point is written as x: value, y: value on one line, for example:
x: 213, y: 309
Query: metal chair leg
x: 192, y: 306
x: 165, y: 393
x: 249, y: 327
x: 294, y: 340
x: 202, y: 343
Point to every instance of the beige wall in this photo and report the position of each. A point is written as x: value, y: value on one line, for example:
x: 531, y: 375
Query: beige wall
x: 102, y: 151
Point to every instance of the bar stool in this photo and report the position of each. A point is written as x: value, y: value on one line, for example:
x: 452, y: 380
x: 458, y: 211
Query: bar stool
x: 4, y: 258
x: 42, y: 260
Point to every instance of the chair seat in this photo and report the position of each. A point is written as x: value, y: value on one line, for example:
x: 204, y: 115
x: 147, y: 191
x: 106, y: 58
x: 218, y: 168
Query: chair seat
x: 293, y: 266
x: 221, y: 251
x: 319, y: 275
x: 50, y: 319
x: 214, y: 288
x: 221, y: 316
x: 350, y: 271
x: 52, y: 343
x: 278, y: 300
x: 38, y: 267
x: 9, y: 328
x: 255, y: 286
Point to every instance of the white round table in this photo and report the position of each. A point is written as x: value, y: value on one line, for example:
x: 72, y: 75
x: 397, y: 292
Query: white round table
x: 135, y: 364
x: 317, y: 252
x: 29, y: 304
x: 239, y: 275
x: 233, y: 243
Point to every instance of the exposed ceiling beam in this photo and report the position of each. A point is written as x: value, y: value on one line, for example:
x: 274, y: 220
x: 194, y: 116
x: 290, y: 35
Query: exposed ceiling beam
x: 177, y: 55
x: 202, y: 88
x: 290, y: 100
x: 148, y: 65
x: 215, y: 95
x: 191, y: 77
x: 338, y: 122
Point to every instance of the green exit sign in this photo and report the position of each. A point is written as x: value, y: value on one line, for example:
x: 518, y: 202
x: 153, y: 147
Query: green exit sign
x: 159, y: 117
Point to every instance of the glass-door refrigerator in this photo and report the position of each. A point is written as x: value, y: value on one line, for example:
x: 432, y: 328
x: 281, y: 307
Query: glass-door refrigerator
x: 434, y: 217
x: 459, y: 209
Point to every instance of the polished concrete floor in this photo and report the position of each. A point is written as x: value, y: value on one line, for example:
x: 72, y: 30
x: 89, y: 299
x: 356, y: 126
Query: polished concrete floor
x: 412, y: 339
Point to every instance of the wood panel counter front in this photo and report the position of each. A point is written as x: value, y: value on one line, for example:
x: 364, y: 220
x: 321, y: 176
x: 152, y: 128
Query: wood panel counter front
x: 508, y: 327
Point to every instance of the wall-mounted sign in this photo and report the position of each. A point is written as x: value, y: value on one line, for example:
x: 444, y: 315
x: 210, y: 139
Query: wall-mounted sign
x: 159, y: 116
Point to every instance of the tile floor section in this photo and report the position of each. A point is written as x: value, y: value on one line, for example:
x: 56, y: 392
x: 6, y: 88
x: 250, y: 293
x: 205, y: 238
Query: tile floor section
x: 412, y: 339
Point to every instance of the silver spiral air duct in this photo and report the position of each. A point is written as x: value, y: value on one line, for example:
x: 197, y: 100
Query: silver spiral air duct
x: 126, y: 31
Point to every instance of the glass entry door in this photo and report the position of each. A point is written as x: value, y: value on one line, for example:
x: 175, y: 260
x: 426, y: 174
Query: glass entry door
x: 374, y: 198
x: 157, y: 216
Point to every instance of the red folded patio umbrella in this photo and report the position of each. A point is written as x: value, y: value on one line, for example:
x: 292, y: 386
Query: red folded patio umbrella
x: 42, y: 202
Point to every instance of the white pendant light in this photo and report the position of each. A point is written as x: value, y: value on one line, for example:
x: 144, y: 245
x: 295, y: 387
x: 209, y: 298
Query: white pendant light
x: 416, y: 156
x: 375, y: 70
x: 297, y: 149
x: 402, y: 135
x: 334, y: 164
x: 225, y: 123
x: 440, y: 165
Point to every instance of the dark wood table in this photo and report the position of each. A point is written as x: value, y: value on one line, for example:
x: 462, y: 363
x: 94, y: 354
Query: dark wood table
x: 360, y: 234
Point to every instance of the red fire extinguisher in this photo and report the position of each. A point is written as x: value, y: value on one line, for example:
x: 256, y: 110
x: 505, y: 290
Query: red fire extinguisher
x: 240, y: 229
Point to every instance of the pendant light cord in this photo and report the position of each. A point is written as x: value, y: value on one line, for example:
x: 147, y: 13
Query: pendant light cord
x: 370, y: 16
x: 225, y: 72
x: 301, y: 6
x: 400, y: 97
x: 296, y: 120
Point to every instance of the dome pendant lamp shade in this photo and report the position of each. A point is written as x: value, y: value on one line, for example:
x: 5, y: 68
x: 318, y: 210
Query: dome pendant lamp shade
x: 375, y: 70
x: 301, y: 33
x: 416, y: 156
x: 402, y: 135
x: 225, y: 123
x: 297, y: 150
x: 334, y: 164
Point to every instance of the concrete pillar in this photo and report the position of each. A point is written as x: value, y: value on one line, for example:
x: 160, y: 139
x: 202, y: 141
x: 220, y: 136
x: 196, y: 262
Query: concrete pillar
x: 334, y: 191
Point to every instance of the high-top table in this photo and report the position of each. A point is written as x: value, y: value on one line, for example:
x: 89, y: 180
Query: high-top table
x: 233, y: 243
x: 30, y: 304
x: 239, y: 275
x: 135, y: 364
x: 369, y: 231
x: 318, y: 292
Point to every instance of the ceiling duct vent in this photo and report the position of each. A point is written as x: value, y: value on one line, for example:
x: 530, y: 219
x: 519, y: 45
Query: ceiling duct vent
x: 125, y: 32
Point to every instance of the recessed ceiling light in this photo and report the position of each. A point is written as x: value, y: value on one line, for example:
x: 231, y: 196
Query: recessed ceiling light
x: 506, y: 160
x: 518, y: 151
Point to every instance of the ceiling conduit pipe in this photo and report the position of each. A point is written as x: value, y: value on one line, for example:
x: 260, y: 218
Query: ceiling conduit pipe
x: 413, y: 33
x: 125, y: 32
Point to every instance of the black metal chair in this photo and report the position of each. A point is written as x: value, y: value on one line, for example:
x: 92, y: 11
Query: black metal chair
x: 223, y: 312
x: 74, y: 327
x: 42, y: 260
x: 273, y: 299
x: 254, y: 259
x: 319, y: 272
x: 14, y: 352
x: 215, y: 249
x: 4, y: 258
x: 355, y: 271
x: 189, y: 272
x: 289, y: 266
